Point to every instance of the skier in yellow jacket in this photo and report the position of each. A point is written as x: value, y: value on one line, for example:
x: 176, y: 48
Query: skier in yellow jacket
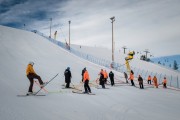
x: 30, y: 73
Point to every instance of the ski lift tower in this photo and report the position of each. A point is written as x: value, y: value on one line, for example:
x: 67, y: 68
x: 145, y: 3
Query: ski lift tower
x: 146, y: 51
x: 124, y: 47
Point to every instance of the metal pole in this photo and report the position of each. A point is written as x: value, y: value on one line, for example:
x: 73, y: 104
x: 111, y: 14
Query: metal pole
x: 138, y: 71
x: 177, y: 82
x: 50, y: 27
x: 142, y: 72
x: 171, y: 81
x: 146, y: 74
x: 24, y: 26
x: 113, y: 19
x: 112, y: 44
x: 69, y: 33
x: 160, y: 77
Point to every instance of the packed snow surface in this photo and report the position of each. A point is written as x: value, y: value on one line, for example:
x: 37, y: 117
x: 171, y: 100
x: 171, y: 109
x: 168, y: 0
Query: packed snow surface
x: 121, y: 102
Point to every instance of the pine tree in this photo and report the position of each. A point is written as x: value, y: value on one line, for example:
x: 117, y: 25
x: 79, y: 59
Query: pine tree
x: 170, y: 65
x: 175, y: 66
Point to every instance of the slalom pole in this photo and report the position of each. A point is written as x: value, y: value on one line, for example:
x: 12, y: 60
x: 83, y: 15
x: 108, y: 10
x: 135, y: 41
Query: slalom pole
x: 46, y: 84
x: 40, y: 86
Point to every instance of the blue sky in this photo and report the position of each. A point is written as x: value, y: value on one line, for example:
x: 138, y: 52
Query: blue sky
x: 139, y: 24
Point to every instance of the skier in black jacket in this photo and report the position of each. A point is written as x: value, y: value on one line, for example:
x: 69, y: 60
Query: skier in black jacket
x: 111, y: 76
x: 101, y: 79
x: 83, y: 71
x: 140, y: 79
x: 126, y: 77
x: 67, y: 74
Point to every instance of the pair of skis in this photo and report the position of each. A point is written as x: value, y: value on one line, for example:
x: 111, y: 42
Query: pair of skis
x: 36, y: 94
x: 80, y: 92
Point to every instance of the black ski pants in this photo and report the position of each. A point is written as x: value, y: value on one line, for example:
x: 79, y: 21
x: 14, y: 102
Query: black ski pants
x: 86, y: 86
x: 112, y: 81
x: 141, y: 85
x: 67, y: 84
x: 126, y: 80
x: 132, y: 82
x: 105, y: 80
x: 164, y: 85
x: 102, y: 83
x: 32, y: 76
x: 67, y: 81
x: 149, y: 82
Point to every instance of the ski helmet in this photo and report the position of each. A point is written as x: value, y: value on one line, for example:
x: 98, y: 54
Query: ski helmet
x: 68, y: 68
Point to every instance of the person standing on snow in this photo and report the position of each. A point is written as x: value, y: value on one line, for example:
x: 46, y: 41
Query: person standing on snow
x: 105, y: 77
x: 155, y: 82
x: 132, y: 78
x: 111, y: 76
x: 101, y: 79
x: 164, y: 82
x: 149, y: 79
x: 86, y: 82
x: 126, y: 77
x: 67, y: 74
x: 30, y: 73
x: 83, y: 71
x: 140, y: 79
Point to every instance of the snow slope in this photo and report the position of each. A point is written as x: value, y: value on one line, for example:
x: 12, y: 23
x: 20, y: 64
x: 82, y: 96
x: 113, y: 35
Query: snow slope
x: 18, y: 47
x: 168, y: 61
x: 139, y: 65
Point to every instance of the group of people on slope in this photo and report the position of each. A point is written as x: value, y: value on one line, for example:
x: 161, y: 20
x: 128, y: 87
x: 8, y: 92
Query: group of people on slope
x: 85, y: 79
x: 104, y: 76
x: 164, y: 82
x: 140, y: 80
x: 131, y: 78
x: 30, y: 73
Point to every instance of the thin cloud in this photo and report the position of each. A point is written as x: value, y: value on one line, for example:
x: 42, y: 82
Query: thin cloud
x: 139, y: 24
x: 6, y: 5
x: 28, y: 11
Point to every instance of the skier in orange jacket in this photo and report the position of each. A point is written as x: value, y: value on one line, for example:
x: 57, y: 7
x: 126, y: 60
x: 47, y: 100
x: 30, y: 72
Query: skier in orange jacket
x: 132, y: 78
x: 164, y: 82
x: 86, y: 82
x: 155, y: 82
x: 101, y: 79
x: 149, y: 79
x: 105, y: 77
